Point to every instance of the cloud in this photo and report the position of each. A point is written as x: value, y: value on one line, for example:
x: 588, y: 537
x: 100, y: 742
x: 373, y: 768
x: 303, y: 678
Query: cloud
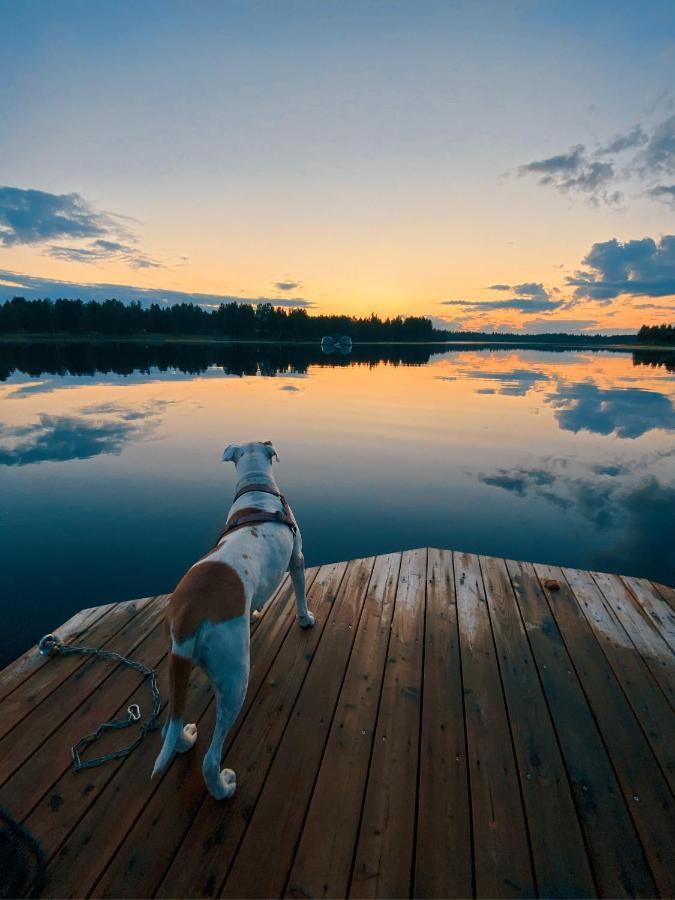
x: 533, y: 289
x: 514, y: 383
x: 665, y: 193
x: 38, y: 217
x: 100, y: 250
x: 578, y: 171
x: 659, y: 154
x: 638, y: 508
x: 30, y: 217
x: 621, y: 142
x: 574, y: 171
x: 626, y: 412
x: 287, y: 285
x: 31, y: 286
x: 63, y: 438
x: 521, y: 304
x: 563, y: 164
x: 639, y: 267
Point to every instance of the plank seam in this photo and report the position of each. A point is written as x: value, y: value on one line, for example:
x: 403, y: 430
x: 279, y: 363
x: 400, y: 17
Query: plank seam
x: 372, y: 746
x: 508, y: 719
x: 330, y: 727
x: 466, y: 735
x: 411, y: 887
x: 555, y: 730
x: 597, y: 724
x: 629, y: 703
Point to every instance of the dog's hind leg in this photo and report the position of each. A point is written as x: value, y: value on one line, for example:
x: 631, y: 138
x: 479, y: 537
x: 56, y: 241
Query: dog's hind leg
x: 226, y: 661
x: 297, y: 570
x: 178, y: 737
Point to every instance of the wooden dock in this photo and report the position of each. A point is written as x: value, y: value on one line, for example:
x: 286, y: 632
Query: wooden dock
x: 454, y: 725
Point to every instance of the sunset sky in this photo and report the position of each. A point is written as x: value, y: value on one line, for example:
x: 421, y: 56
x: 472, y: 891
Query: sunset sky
x: 491, y: 165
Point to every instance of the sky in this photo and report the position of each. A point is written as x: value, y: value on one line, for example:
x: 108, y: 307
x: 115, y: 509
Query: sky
x: 492, y: 165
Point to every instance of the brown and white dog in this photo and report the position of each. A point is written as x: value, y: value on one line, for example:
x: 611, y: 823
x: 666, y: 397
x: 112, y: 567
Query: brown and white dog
x: 208, y: 616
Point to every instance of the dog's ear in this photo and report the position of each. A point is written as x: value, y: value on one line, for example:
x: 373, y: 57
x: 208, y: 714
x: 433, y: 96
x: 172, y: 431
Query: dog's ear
x: 269, y: 449
x: 230, y: 454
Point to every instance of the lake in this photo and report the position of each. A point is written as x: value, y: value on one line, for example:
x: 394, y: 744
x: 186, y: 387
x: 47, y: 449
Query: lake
x: 112, y: 484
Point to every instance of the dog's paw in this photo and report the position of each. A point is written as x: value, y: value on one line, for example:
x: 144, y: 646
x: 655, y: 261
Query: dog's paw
x: 306, y: 621
x: 225, y: 785
x: 187, y: 738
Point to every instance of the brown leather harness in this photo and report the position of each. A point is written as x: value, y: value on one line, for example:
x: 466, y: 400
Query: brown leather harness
x: 241, y: 519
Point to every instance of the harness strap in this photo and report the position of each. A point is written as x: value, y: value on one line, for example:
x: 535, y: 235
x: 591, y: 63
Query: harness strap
x: 283, y: 516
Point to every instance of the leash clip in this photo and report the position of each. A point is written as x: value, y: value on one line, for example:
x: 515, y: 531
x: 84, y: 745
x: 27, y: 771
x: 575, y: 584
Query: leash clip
x: 134, y: 712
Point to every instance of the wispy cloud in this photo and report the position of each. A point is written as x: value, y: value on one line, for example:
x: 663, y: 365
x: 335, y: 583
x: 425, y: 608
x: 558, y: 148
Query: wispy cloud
x: 520, y: 304
x: 287, y: 285
x: 574, y: 171
x: 665, y: 193
x: 13, y: 284
x: 622, y: 142
x: 100, y: 250
x: 601, y: 175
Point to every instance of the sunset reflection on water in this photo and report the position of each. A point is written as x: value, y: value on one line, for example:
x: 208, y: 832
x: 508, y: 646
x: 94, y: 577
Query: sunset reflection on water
x: 116, y: 479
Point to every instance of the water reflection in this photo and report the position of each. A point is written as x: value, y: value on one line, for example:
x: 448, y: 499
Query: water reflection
x: 80, y: 359
x: 561, y: 456
x: 637, y: 507
x: 628, y: 412
x: 98, y: 429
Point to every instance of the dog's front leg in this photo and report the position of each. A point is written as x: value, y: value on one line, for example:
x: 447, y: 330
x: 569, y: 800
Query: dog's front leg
x: 297, y: 570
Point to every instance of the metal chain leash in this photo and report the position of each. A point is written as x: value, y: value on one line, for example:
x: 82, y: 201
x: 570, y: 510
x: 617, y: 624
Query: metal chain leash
x: 49, y: 645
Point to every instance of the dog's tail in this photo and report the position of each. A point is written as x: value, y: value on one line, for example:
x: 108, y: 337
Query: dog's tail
x: 179, y: 678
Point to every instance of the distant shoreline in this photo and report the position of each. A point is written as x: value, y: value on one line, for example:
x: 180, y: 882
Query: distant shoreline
x: 583, y: 344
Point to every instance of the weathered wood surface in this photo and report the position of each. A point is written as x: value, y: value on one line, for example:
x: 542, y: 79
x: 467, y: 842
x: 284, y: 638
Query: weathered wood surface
x: 454, y: 725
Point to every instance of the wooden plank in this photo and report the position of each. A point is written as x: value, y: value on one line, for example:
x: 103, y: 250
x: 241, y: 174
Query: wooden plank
x: 666, y: 592
x: 40, y: 724
x: 323, y: 860
x: 46, y: 679
x: 617, y: 859
x: 134, y: 859
x: 643, y: 632
x: 502, y: 862
x: 51, y: 760
x: 264, y: 858
x: 561, y: 863
x: 654, y: 607
x: 21, y: 669
x: 200, y: 863
x: 647, y: 702
x: 383, y: 862
x: 647, y: 795
x: 443, y: 858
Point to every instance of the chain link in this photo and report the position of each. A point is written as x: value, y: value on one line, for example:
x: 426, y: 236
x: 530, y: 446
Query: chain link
x: 50, y: 645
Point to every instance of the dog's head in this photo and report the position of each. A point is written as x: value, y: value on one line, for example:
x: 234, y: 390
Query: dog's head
x: 253, y: 450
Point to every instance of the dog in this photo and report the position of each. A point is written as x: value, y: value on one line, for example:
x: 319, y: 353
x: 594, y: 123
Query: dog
x: 208, y: 615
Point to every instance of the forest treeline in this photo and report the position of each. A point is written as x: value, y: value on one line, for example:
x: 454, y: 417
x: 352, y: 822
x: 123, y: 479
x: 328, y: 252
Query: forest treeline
x: 234, y: 320
x: 112, y: 318
x: 657, y: 334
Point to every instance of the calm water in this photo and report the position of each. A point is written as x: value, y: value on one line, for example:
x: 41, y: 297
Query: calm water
x: 112, y: 484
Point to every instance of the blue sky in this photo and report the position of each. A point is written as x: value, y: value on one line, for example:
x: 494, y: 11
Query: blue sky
x: 396, y: 156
